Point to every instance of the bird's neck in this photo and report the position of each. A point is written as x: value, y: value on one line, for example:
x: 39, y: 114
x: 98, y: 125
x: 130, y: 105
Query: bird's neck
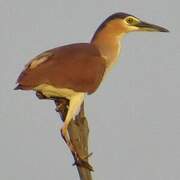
x: 109, y: 45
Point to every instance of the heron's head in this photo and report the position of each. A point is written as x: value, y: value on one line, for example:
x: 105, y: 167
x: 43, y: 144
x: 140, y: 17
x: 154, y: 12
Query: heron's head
x: 119, y: 23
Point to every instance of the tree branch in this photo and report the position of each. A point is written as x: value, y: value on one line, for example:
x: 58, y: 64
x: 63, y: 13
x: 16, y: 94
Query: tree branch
x: 78, y: 132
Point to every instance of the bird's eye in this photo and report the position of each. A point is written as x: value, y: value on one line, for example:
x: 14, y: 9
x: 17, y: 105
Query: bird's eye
x: 130, y: 20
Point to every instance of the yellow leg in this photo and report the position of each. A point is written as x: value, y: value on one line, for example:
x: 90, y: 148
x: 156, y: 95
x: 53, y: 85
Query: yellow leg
x: 65, y: 136
x: 75, y: 102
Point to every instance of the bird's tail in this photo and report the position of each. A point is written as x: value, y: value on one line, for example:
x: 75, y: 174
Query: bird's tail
x: 21, y: 87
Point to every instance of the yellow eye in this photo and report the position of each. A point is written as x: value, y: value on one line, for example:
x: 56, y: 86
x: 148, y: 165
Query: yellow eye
x: 130, y: 20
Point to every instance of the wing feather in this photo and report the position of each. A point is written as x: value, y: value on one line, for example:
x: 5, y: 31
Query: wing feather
x: 79, y: 67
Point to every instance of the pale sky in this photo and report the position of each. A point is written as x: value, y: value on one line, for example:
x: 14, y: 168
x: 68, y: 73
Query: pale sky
x: 134, y: 116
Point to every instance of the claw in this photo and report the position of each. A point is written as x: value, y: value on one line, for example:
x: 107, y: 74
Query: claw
x: 89, y: 155
x: 79, y: 161
x: 83, y: 163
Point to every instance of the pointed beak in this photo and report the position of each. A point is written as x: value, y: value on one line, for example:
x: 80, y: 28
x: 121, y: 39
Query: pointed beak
x: 144, y: 26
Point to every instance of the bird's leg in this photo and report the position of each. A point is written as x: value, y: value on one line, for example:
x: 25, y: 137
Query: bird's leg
x: 79, y: 161
x: 74, y: 105
x: 65, y: 136
x: 73, y: 108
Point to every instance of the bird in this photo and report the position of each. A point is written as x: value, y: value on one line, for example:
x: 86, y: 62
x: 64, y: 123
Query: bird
x: 76, y: 70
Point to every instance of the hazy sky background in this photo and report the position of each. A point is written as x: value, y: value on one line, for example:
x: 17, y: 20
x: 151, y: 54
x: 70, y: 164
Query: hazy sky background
x: 134, y: 116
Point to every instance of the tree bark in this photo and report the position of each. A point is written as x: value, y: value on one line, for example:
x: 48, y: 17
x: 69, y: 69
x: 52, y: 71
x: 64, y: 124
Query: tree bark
x: 78, y: 131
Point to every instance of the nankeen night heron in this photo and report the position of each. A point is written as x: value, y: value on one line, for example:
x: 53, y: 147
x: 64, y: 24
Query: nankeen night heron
x: 75, y: 70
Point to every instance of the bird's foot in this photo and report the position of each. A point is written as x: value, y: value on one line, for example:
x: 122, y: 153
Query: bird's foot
x: 79, y: 160
x: 82, y: 162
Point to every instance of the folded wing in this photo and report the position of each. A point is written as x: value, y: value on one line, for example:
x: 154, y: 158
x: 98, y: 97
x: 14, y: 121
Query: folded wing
x: 79, y: 67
